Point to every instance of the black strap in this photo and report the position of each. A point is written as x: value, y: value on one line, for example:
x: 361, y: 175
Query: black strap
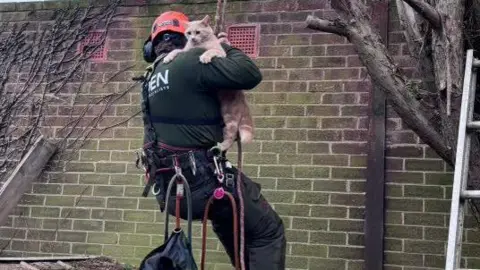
x: 180, y: 121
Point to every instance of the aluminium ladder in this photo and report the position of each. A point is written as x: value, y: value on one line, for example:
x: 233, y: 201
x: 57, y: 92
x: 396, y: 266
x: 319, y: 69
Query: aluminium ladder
x: 459, y: 193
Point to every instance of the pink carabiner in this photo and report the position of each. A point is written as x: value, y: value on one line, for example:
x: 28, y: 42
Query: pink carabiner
x: 219, y: 193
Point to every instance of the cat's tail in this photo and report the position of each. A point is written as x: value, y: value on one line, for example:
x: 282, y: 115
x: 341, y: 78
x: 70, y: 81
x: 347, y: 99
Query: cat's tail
x: 246, y: 133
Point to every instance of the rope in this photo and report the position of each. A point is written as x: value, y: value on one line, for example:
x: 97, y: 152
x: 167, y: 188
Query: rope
x: 218, y: 28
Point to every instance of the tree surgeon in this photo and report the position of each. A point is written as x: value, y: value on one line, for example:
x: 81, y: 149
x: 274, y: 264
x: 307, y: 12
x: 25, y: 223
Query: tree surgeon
x: 183, y: 122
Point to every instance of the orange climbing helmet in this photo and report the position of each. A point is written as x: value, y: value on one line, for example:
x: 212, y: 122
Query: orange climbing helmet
x: 169, y: 21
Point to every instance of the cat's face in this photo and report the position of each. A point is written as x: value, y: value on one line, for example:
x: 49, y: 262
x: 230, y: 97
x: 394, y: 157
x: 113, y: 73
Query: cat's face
x: 200, y: 31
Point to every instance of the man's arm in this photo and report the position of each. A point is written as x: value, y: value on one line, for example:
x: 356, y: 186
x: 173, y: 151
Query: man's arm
x: 235, y: 72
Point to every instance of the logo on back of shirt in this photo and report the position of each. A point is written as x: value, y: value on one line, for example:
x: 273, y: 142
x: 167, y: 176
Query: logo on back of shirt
x: 158, y: 83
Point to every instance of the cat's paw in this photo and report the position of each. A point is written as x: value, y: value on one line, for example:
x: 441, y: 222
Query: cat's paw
x: 207, y: 56
x: 169, y: 57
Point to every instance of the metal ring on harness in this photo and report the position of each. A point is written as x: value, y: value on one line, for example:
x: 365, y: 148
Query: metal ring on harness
x: 155, y: 193
x: 178, y: 175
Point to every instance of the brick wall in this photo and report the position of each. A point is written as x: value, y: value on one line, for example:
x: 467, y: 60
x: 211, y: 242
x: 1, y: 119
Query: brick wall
x: 311, y: 114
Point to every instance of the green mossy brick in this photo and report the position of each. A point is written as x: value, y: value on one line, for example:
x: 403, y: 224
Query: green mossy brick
x: 302, y: 122
x: 423, y: 191
x: 148, y: 204
x: 441, y: 234
x: 276, y: 171
x: 330, y: 185
x: 107, y: 214
x: 83, y: 190
x: 13, y: 233
x: 134, y: 240
x: 303, y: 197
x: 89, y: 249
x: 133, y: 191
x: 258, y: 158
x: 349, y: 199
x: 330, y: 160
x: 292, y: 210
x: 424, y: 247
x: 287, y: 110
x: 393, y: 217
x: 351, y: 253
x: 328, y: 238
x: 61, y: 178
x: 90, y: 202
x: 342, y: 225
x: 111, y: 167
x: 54, y: 224
x: 149, y: 228
x: 439, y: 179
x: 313, y: 148
x: 269, y: 122
x: 311, y: 172
x: 141, y: 252
x: 21, y: 245
x: 47, y: 188
x: 80, y: 167
x: 119, y: 226
x: 122, y: 203
x: 96, y: 179
x: 395, y: 204
x: 32, y: 199
x: 95, y: 155
x: 41, y: 235
x: 392, y: 190
x: 294, y: 184
x: 425, y: 219
x: 129, y: 179
x: 404, y: 177
x: 88, y: 225
x: 69, y: 236
x: 45, y: 212
x: 113, y: 145
x: 326, y: 264
x: 424, y: 165
x: 59, y: 201
x: 295, y: 236
x: 279, y: 147
x: 102, y: 238
x: 279, y: 196
x: 296, y: 262
x: 25, y: 222
x: 107, y: 191
x: 295, y: 159
x: 55, y: 247
x: 309, y: 223
x: 348, y: 173
x: 304, y: 98
x: 123, y: 156
x: 139, y: 216
x: 329, y: 211
x: 309, y: 250
x: 470, y: 250
x: 404, y: 231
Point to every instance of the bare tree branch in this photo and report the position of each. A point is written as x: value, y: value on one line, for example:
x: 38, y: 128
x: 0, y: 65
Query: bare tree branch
x: 427, y: 11
x: 334, y: 27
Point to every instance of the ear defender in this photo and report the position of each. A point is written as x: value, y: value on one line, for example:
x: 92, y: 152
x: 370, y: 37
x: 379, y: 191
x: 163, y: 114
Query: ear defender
x: 148, y: 51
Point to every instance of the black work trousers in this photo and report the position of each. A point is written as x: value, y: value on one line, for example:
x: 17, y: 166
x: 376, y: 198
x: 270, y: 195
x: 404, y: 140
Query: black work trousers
x: 265, y: 241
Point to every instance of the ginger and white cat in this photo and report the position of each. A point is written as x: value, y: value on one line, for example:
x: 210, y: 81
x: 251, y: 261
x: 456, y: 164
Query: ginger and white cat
x: 234, y: 107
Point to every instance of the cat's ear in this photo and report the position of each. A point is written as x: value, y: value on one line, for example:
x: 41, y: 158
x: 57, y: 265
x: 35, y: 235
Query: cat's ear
x: 206, y: 20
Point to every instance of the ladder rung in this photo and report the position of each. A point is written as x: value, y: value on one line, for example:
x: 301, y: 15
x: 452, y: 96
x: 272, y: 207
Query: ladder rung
x: 471, y: 194
x: 474, y: 125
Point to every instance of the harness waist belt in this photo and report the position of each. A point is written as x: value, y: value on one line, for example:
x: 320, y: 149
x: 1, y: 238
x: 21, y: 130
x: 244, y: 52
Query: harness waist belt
x: 181, y: 121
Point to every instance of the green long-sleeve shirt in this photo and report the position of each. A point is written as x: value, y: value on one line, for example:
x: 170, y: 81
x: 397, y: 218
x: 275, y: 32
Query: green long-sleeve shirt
x: 183, y: 102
